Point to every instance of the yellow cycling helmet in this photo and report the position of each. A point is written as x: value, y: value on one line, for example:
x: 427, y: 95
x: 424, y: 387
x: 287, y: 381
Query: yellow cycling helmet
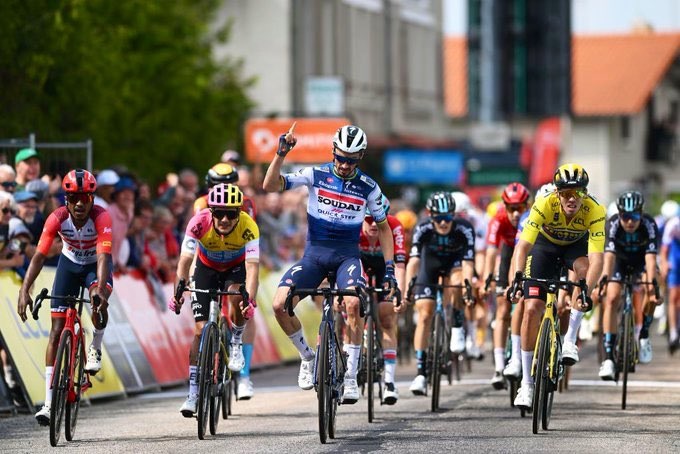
x: 407, y: 218
x: 221, y: 173
x: 569, y: 176
x: 225, y: 196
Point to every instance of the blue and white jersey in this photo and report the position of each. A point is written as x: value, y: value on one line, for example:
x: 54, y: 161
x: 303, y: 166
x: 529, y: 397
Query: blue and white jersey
x: 337, y: 206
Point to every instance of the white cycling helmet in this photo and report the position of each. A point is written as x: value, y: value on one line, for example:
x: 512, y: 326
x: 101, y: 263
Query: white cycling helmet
x: 669, y: 209
x: 350, y: 139
x: 463, y: 202
x: 545, y: 190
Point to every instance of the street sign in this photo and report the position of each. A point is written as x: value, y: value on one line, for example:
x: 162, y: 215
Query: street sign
x: 324, y: 96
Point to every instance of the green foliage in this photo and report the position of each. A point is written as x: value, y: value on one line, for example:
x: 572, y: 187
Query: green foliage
x: 136, y: 76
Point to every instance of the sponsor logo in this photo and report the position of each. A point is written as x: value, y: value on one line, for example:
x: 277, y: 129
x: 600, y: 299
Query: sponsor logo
x: 289, y: 281
x: 367, y: 180
x: 579, y: 221
x: 329, y: 180
x: 556, y: 217
x: 597, y: 234
x: 534, y: 291
x: 351, y: 269
x: 295, y: 269
x: 350, y: 282
x: 106, y: 230
x: 248, y: 235
x: 339, y: 204
x: 197, y: 230
x: 250, y: 250
x: 106, y: 243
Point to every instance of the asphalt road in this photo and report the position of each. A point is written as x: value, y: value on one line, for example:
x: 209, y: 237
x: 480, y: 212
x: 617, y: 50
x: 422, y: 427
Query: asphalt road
x: 474, y: 417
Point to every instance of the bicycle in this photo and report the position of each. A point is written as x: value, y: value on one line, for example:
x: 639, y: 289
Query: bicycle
x: 69, y: 380
x: 214, y: 377
x: 373, y: 362
x: 546, y: 367
x: 439, y: 359
x: 330, y: 364
x: 627, y: 351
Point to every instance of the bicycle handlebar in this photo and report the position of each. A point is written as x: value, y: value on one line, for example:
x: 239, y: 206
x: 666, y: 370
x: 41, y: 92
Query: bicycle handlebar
x: 382, y: 291
x: 604, y: 281
x: 43, y: 295
x: 326, y: 292
x: 469, y: 299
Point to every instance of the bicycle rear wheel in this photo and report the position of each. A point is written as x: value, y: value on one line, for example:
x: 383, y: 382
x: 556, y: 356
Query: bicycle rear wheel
x: 73, y: 405
x: 541, y: 375
x: 438, y: 354
x: 627, y: 354
x: 60, y: 381
x: 370, y: 364
x: 206, y: 361
x: 323, y: 389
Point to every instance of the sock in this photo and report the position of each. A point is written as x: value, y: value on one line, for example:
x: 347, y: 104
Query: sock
x: 646, y: 323
x: 298, y: 339
x: 516, y: 347
x: 97, y: 336
x: 575, y: 318
x: 352, y: 360
x: 499, y: 358
x: 390, y: 356
x: 421, y: 362
x: 527, y: 359
x: 193, y: 380
x: 609, y: 341
x: 472, y: 332
x: 236, y: 333
x: 49, y: 371
x: 248, y: 355
x: 637, y: 330
x: 9, y: 377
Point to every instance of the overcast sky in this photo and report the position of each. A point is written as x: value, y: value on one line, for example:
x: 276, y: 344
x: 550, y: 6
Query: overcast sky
x: 592, y: 16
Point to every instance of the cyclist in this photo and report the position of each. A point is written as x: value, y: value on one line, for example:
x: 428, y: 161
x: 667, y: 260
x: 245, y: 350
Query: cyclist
x: 632, y: 243
x: 565, y: 227
x: 85, y: 260
x: 501, y: 234
x: 339, y: 196
x: 227, y: 243
x: 670, y: 270
x: 226, y: 173
x: 372, y: 259
x: 442, y: 244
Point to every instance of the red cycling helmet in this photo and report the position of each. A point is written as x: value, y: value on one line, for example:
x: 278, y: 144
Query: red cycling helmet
x: 79, y: 180
x: 515, y: 193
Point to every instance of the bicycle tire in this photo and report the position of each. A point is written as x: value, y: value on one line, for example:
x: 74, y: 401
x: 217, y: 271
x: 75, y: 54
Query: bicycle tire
x: 206, y: 360
x: 218, y: 398
x: 323, y: 390
x: 335, y: 370
x: 226, y: 389
x: 73, y: 407
x: 627, y: 340
x: 437, y: 361
x: 551, y: 381
x: 540, y: 376
x: 60, y: 379
x: 370, y: 365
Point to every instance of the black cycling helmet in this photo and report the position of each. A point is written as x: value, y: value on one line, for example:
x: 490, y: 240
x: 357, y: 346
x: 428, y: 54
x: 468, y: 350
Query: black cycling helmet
x: 630, y: 202
x: 221, y: 173
x: 568, y: 176
x: 441, y: 203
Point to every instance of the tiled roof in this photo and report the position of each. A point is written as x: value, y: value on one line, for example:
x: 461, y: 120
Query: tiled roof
x: 611, y: 74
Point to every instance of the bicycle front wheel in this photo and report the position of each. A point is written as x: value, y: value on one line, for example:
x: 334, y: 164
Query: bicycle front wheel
x: 73, y: 404
x: 218, y: 396
x: 323, y: 378
x: 437, y: 363
x: 206, y: 361
x: 370, y: 365
x: 227, y: 387
x: 627, y: 354
x: 541, y: 375
x: 60, y: 381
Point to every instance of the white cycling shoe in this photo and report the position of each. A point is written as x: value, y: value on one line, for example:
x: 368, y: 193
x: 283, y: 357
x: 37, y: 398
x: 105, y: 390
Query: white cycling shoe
x: 306, y: 375
x: 525, y: 396
x: 351, y: 393
x: 43, y: 416
x: 513, y: 369
x: 645, y: 354
x: 188, y: 408
x: 390, y: 394
x: 457, y: 344
x: 607, y: 370
x: 236, y: 358
x: 419, y: 386
x: 569, y: 354
x: 94, y: 360
x: 245, y: 388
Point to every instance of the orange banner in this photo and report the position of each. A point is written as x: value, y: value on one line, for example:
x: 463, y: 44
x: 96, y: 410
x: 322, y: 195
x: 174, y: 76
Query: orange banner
x: 314, y: 138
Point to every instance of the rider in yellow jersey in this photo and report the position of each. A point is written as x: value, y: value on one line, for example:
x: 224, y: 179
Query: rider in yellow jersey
x: 565, y: 227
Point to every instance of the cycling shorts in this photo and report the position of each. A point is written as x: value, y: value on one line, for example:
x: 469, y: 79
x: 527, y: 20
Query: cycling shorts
x: 622, y: 266
x: 431, y: 267
x: 318, y: 260
x: 70, y: 277
x: 674, y: 277
x: 546, y: 260
x: 209, y: 278
x: 504, y: 266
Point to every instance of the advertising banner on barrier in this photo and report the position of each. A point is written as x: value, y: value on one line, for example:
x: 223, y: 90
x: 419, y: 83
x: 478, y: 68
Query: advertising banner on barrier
x: 27, y: 342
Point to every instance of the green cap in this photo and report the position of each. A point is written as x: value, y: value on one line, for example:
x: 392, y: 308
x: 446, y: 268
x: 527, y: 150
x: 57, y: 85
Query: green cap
x: 25, y: 154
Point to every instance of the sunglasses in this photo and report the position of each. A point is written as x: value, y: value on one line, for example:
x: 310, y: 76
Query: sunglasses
x: 230, y: 214
x: 519, y: 207
x: 369, y: 219
x: 631, y: 216
x: 442, y: 218
x: 344, y: 160
x: 9, y: 184
x: 6, y: 210
x: 576, y: 193
x: 84, y: 197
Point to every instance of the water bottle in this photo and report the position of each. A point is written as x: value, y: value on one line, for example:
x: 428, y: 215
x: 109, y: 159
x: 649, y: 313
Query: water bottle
x: 76, y: 328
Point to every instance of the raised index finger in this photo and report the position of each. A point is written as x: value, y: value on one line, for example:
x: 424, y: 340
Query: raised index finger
x: 291, y: 131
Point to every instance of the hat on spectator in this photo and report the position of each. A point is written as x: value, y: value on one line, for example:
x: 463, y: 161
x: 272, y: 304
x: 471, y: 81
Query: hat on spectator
x: 38, y: 187
x: 24, y: 196
x: 24, y: 154
x: 107, y: 177
x: 231, y: 156
x: 125, y: 183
